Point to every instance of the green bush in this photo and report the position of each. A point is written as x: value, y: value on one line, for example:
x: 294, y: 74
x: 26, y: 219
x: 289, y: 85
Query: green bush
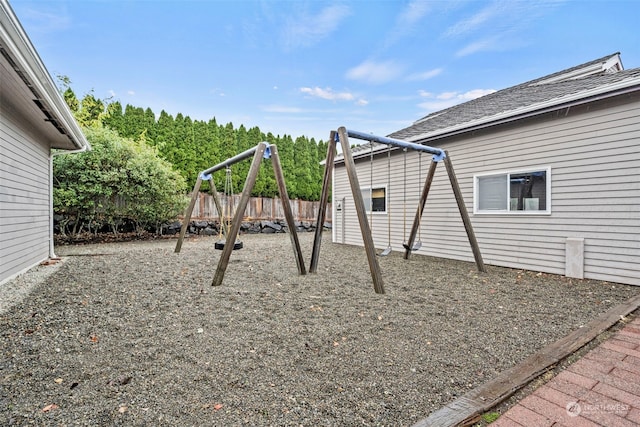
x: 119, y: 183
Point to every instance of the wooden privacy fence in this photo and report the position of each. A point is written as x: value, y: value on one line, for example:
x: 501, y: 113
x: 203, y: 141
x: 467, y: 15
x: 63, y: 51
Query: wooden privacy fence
x: 258, y: 208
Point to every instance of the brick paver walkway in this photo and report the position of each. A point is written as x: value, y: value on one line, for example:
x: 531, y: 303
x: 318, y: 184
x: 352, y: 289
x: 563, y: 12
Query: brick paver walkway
x: 601, y: 389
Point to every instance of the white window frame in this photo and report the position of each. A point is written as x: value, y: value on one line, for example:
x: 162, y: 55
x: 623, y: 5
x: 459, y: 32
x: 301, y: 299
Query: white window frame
x: 477, y: 211
x: 366, y: 196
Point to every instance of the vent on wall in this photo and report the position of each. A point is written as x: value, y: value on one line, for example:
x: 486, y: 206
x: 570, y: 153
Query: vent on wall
x: 38, y: 99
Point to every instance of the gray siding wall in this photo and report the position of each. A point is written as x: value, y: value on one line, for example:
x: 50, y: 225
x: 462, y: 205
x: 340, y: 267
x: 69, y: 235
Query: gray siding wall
x: 24, y: 196
x: 594, y: 155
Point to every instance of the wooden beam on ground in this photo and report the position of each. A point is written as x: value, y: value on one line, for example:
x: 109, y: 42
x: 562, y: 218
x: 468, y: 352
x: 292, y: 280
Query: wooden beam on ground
x: 475, y: 248
x: 286, y: 206
x: 418, y: 217
x: 187, y: 213
x: 324, y: 199
x: 466, y: 409
x: 369, y: 246
x: 230, y: 239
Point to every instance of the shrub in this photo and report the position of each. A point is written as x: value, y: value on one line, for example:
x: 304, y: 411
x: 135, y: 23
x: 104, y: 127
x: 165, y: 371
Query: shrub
x: 119, y: 182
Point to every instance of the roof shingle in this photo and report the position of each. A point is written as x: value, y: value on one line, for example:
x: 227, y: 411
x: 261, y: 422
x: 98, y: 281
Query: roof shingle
x: 557, y: 86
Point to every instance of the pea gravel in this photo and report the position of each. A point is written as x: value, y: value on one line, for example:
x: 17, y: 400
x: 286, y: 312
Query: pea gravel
x: 132, y: 334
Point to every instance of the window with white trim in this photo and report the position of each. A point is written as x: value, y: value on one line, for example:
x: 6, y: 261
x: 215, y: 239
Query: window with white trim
x: 513, y: 192
x: 376, y: 197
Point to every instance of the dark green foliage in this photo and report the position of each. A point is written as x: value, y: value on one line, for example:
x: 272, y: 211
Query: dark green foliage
x: 193, y: 145
x: 119, y: 183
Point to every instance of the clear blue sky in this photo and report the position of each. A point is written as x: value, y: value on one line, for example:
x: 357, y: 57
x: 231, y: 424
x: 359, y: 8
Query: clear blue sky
x: 306, y: 67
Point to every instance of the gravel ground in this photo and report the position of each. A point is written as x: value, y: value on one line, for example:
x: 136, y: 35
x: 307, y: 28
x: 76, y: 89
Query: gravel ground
x: 133, y: 334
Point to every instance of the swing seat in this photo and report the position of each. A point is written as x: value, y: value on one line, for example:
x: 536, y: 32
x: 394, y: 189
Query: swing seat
x: 385, y: 252
x: 417, y: 245
x: 219, y: 245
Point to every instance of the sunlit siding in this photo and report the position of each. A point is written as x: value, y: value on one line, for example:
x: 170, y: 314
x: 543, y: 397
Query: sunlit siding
x: 594, y: 155
x: 24, y: 196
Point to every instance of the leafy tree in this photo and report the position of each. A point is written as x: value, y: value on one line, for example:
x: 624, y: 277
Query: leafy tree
x: 304, y: 168
x: 114, y: 118
x: 118, y: 182
x: 71, y: 100
x: 91, y: 112
x: 192, y: 146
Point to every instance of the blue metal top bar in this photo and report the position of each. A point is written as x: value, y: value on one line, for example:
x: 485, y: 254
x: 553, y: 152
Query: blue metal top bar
x: 206, y: 174
x: 438, y: 154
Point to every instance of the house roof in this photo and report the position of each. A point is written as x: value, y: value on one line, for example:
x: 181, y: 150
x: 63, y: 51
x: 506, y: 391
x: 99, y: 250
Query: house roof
x: 596, y: 79
x: 601, y: 78
x: 29, y: 90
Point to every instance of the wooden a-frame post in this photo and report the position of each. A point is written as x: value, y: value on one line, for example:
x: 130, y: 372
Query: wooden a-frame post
x: 423, y: 198
x: 463, y: 213
x: 237, y: 218
x: 187, y: 213
x: 324, y: 200
x: 473, y: 242
x: 288, y: 214
x: 370, y: 249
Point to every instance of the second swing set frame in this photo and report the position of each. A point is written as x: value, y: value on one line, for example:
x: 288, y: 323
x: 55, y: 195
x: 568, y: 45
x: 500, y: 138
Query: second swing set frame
x: 342, y: 135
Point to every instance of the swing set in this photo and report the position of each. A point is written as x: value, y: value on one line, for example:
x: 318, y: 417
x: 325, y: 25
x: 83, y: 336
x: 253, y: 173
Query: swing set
x: 342, y: 135
x: 229, y: 230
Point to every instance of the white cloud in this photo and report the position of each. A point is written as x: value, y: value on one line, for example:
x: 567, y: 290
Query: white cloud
x: 131, y: 92
x: 497, y: 26
x: 327, y: 93
x: 307, y: 30
x: 413, y: 12
x: 437, y: 102
x: 486, y: 44
x: 112, y: 93
x: 474, y: 22
x: 425, y: 75
x: 475, y: 93
x: 375, y: 72
x: 406, y: 21
x: 362, y: 102
x: 446, y: 95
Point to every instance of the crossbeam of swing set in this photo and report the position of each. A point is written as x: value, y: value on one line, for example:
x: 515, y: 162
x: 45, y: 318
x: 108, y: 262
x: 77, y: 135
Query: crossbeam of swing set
x: 438, y: 154
x: 237, y: 158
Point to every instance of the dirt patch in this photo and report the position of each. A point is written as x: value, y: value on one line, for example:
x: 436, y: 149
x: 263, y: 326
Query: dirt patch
x: 135, y: 335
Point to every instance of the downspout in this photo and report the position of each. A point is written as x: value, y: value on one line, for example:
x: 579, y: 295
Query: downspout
x: 84, y: 148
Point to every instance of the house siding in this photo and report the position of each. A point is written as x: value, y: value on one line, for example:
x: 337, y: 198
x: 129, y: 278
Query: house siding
x: 24, y: 196
x: 593, y: 152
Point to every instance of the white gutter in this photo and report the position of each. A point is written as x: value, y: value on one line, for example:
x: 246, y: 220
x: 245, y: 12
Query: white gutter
x: 33, y: 72
x: 38, y: 78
